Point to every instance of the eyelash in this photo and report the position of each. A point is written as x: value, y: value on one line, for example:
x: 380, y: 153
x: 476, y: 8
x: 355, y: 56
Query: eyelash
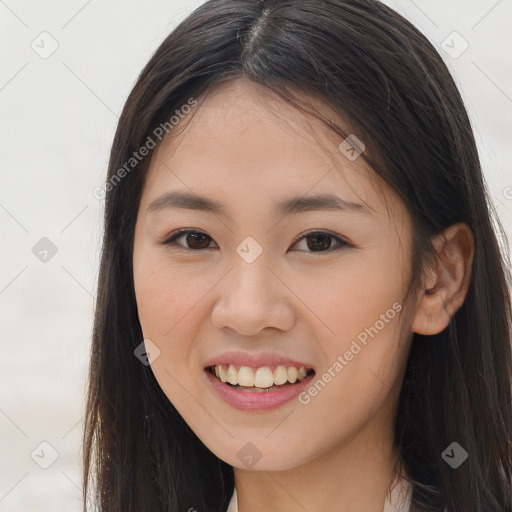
x: 171, y: 240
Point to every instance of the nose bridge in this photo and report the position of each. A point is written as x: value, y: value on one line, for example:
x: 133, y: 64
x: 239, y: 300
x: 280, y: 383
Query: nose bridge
x: 252, y: 298
x: 251, y: 275
x: 250, y: 263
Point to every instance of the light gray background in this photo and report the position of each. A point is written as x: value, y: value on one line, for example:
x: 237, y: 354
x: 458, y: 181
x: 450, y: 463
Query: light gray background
x: 58, y: 117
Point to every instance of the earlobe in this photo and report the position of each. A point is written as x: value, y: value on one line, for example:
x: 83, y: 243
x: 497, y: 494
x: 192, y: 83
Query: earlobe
x: 446, y: 285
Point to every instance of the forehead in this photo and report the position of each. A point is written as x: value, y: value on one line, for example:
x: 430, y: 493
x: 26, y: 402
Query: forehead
x: 242, y: 114
x: 244, y: 137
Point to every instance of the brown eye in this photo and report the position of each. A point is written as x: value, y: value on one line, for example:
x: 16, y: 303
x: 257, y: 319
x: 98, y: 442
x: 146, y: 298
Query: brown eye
x: 319, y: 241
x: 194, y: 240
x: 197, y: 240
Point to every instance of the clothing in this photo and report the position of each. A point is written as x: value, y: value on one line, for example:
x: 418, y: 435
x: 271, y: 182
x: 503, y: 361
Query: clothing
x: 399, y: 500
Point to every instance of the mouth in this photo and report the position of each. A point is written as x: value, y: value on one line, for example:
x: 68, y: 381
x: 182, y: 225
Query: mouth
x: 259, y: 380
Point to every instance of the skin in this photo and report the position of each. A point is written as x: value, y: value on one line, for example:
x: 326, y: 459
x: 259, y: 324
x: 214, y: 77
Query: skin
x: 247, y: 149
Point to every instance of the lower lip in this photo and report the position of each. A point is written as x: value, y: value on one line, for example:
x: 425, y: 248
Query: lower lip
x: 254, y: 400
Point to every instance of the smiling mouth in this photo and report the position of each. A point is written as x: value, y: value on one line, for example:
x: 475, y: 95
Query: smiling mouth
x: 259, y: 380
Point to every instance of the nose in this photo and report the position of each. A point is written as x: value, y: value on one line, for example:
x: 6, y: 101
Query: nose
x: 252, y: 298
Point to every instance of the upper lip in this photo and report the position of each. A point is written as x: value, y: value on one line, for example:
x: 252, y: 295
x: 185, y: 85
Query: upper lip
x: 255, y: 360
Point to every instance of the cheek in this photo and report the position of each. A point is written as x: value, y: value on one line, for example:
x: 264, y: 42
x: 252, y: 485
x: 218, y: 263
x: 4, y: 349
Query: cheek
x: 173, y: 306
x: 168, y: 302
x: 357, y: 310
x: 164, y: 296
x: 344, y: 300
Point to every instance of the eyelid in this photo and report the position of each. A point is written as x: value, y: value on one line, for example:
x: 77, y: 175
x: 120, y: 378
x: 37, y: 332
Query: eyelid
x: 171, y: 240
x: 342, y: 242
x: 320, y: 232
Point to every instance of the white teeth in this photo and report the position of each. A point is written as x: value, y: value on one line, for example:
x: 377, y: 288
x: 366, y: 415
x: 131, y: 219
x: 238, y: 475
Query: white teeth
x: 292, y: 374
x: 232, y: 375
x: 281, y: 375
x: 245, y: 376
x: 261, y: 378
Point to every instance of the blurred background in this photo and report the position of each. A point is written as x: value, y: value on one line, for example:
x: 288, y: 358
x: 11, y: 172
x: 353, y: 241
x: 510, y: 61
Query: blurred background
x: 66, y: 70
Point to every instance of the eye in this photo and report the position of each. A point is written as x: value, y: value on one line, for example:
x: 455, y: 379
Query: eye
x: 320, y: 241
x: 196, y: 240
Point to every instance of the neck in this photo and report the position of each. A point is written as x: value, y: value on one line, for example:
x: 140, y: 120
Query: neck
x: 355, y: 477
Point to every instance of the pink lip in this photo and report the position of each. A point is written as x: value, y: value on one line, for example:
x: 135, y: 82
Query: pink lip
x: 254, y: 360
x: 254, y: 400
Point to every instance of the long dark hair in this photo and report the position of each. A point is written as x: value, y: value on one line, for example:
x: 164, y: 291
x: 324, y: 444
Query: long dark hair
x: 382, y: 75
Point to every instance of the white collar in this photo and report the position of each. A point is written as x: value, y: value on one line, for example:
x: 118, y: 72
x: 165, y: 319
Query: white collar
x: 399, y: 500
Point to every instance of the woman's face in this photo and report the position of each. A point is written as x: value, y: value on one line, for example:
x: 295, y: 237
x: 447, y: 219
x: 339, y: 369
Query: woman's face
x: 265, y: 291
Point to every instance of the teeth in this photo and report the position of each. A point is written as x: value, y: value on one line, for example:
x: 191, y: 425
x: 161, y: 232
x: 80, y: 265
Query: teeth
x: 246, y: 377
x: 261, y: 378
x: 232, y: 375
x: 281, y: 375
x: 292, y: 374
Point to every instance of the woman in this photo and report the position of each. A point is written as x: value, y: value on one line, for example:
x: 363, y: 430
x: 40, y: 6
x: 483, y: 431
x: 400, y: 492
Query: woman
x: 231, y: 366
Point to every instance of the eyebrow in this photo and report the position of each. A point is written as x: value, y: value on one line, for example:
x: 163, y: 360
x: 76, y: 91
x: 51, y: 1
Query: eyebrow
x: 294, y: 205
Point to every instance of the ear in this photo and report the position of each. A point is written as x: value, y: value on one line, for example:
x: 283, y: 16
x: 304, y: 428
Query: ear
x: 446, y: 284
